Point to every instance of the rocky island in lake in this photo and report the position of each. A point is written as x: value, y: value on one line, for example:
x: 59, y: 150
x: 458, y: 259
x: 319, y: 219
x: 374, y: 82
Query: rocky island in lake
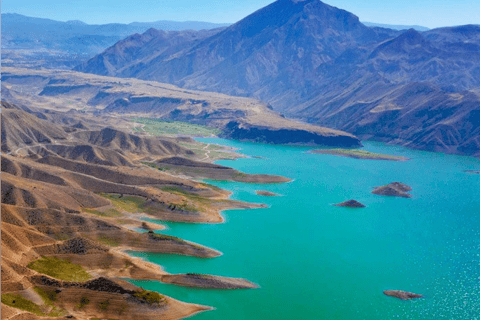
x: 394, y: 189
x: 403, y: 295
x: 350, y: 204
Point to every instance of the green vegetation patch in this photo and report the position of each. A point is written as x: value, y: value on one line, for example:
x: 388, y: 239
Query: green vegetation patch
x: 19, y: 302
x: 164, y: 127
x: 130, y: 204
x: 108, y: 241
x: 60, y: 269
x: 199, y: 200
x: 360, y: 154
x: 150, y: 297
x: 110, y: 213
x: 48, y: 296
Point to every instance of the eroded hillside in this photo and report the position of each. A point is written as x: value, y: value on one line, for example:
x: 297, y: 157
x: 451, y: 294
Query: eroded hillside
x: 74, y: 202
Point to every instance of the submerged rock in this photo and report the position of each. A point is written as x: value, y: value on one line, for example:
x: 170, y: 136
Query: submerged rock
x: 394, y: 189
x: 351, y: 204
x: 472, y: 171
x: 266, y: 193
x: 403, y: 295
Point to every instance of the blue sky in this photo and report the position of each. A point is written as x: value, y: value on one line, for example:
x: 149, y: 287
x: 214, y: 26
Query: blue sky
x: 429, y: 13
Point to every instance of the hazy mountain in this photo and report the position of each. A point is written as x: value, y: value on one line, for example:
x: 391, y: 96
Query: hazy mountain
x: 32, y: 42
x: 177, y: 25
x: 395, y: 26
x: 314, y: 61
x: 19, y: 30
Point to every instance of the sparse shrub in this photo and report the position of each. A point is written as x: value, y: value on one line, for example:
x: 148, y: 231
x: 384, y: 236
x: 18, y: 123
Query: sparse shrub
x: 149, y: 297
x: 84, y: 301
x: 19, y: 302
x: 103, y: 305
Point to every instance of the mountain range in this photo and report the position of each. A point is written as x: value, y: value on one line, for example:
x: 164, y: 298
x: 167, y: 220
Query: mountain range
x: 38, y: 42
x: 395, y: 26
x: 319, y: 63
x: 27, y: 32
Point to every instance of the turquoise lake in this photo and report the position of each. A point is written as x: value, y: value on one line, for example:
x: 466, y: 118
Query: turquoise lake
x: 313, y: 260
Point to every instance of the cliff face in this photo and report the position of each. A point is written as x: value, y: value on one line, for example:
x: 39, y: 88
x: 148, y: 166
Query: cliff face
x: 235, y: 130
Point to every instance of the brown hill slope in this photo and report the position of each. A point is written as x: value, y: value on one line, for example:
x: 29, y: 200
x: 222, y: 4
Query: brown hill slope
x: 106, y: 96
x: 22, y: 129
x: 111, y: 138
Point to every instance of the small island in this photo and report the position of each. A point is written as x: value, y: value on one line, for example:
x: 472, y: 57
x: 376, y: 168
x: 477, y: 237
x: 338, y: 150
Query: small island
x: 350, y: 204
x: 266, y: 193
x: 403, y: 295
x: 394, y: 189
x: 359, y: 154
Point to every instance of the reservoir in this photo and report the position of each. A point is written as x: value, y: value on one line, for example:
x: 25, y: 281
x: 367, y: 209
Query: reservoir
x: 313, y: 260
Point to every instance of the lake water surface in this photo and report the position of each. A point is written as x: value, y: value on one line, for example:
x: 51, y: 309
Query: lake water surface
x: 313, y: 260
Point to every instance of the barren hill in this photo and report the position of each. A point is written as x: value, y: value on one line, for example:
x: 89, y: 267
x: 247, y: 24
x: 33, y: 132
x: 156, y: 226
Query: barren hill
x: 97, y: 96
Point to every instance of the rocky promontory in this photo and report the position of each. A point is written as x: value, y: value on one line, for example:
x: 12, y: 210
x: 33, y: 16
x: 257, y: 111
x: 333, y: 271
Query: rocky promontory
x: 394, y: 189
x: 208, y: 281
x: 205, y: 170
x: 403, y: 295
x: 350, y: 204
x: 284, y: 132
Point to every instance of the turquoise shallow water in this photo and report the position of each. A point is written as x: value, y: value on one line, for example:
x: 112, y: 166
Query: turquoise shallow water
x: 316, y: 261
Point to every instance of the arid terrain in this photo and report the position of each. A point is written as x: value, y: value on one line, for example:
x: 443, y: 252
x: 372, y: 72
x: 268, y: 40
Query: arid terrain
x: 75, y: 196
x: 238, y: 118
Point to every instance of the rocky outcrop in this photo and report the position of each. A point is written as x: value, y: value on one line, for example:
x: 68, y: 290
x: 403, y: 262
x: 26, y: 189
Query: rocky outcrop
x: 351, y: 204
x: 394, y: 189
x: 403, y: 295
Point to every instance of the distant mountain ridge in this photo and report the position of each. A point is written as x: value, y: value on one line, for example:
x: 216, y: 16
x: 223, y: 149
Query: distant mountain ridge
x: 65, y: 44
x: 321, y: 64
x: 22, y: 31
x: 395, y: 26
